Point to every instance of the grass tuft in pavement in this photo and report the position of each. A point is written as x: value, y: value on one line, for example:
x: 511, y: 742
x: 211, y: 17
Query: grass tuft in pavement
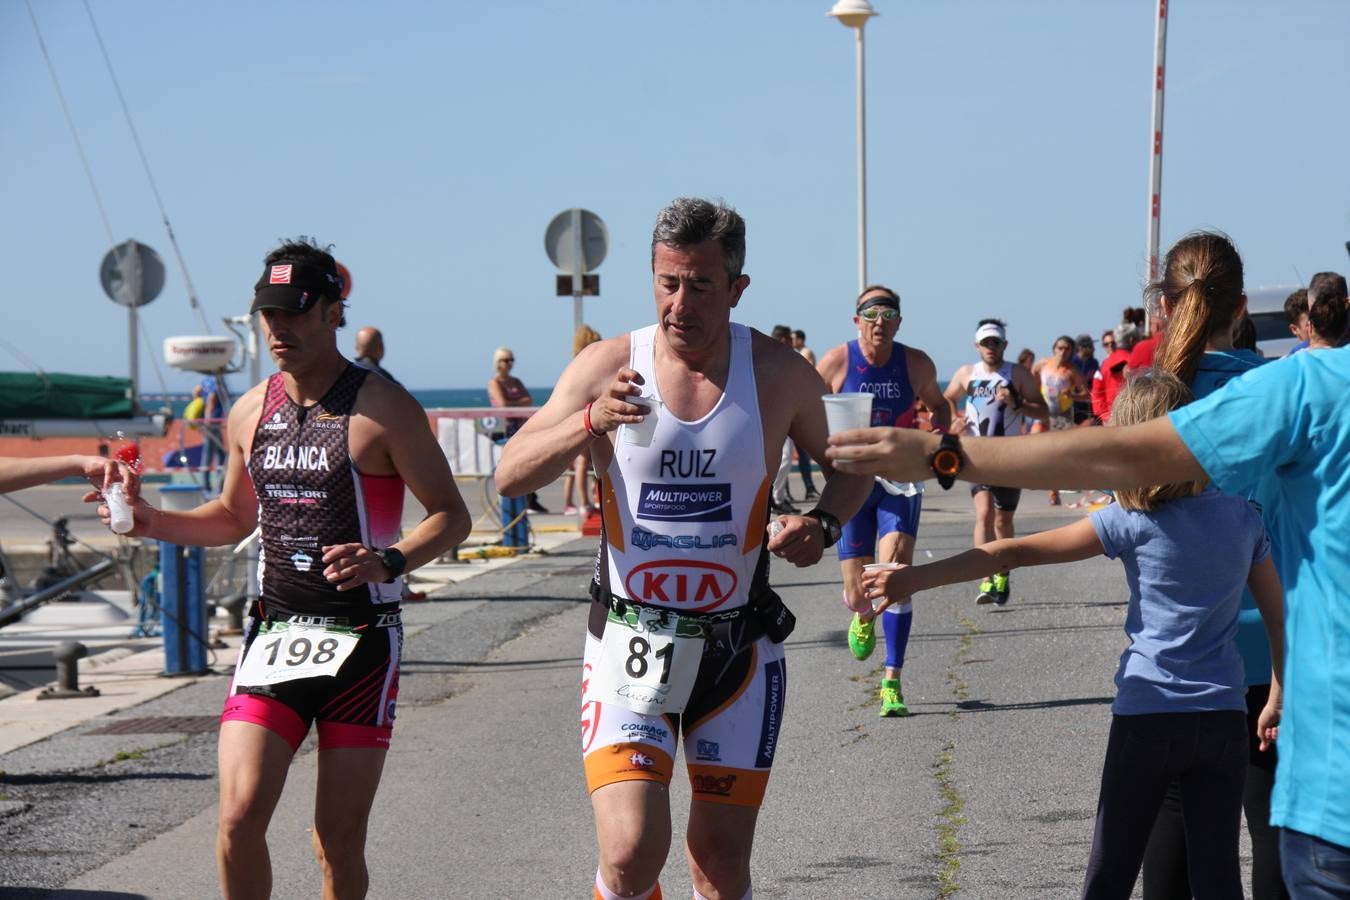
x: 121, y: 756
x: 950, y: 821
x: 950, y: 818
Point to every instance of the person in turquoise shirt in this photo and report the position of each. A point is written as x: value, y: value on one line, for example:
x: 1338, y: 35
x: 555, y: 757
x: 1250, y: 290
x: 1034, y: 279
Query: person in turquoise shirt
x: 1283, y: 426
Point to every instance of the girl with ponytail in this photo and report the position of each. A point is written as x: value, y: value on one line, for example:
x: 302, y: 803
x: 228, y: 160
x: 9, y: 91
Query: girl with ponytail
x: 1201, y: 298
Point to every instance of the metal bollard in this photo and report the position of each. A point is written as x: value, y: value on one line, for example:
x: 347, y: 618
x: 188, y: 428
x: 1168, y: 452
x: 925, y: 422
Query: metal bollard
x: 68, y: 655
x: 183, y: 605
x: 516, y: 535
x: 182, y: 592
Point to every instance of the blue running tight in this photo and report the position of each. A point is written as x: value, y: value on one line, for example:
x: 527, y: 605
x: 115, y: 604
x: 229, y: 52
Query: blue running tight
x: 895, y: 623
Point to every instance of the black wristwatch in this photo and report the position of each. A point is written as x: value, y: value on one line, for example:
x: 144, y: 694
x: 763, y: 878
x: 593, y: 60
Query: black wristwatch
x: 828, y: 523
x: 393, y: 560
x: 946, y: 461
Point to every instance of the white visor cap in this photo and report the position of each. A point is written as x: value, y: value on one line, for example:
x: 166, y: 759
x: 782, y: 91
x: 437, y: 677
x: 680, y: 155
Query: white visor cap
x: 988, y: 330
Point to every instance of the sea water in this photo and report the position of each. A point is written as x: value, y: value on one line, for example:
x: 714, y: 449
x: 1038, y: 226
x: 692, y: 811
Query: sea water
x: 430, y: 398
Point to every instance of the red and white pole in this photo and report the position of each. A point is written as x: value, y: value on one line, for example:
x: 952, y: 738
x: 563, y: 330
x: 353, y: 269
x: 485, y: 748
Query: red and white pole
x: 1155, y: 162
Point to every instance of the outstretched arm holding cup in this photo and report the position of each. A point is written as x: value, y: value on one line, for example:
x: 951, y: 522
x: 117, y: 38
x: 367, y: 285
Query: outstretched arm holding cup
x: 1084, y: 458
x: 17, y: 473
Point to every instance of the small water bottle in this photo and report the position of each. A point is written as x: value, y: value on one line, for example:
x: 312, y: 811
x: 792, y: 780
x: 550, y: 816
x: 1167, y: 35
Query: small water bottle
x: 120, y: 519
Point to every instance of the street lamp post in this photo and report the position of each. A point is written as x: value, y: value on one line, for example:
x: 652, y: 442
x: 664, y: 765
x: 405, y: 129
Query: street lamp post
x: 854, y: 14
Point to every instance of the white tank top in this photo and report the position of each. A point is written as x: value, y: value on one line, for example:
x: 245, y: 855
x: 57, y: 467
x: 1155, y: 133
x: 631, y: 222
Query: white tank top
x: 684, y: 517
x: 991, y: 418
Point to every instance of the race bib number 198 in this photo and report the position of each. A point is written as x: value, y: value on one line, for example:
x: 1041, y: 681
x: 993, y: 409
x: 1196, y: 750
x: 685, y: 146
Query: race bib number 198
x: 648, y: 661
x: 285, y: 651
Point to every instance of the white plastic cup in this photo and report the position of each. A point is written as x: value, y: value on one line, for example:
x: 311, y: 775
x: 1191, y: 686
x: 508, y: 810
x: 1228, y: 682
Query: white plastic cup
x: 845, y: 412
x: 877, y: 567
x: 120, y: 519
x: 641, y: 433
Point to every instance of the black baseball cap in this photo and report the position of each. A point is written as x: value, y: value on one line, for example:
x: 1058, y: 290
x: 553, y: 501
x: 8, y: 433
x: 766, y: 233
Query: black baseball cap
x: 295, y: 286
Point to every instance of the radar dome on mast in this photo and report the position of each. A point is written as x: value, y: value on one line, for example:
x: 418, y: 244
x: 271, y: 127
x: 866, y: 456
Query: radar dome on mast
x: 199, y: 354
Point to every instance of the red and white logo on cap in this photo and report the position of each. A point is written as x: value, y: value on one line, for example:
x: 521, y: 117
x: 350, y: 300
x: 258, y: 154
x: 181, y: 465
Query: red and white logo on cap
x: 280, y: 275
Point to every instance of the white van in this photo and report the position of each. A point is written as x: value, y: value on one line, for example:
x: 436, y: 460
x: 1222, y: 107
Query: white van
x: 1265, y: 305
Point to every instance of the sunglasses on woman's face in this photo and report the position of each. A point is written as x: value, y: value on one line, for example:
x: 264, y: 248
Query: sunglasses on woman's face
x: 872, y: 313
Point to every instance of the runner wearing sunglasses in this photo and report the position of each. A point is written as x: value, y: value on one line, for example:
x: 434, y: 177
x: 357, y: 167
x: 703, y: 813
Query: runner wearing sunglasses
x: 885, y: 528
x: 997, y: 395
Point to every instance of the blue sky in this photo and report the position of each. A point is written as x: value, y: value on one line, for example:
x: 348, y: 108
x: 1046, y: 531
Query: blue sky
x: 431, y: 143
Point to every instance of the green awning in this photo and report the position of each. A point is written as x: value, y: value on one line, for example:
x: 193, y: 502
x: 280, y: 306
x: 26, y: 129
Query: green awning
x: 54, y: 395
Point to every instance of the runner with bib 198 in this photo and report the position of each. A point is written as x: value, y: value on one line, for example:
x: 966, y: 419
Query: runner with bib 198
x: 319, y: 457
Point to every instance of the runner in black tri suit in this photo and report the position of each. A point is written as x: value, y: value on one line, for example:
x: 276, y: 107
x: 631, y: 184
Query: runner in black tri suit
x: 311, y: 496
x: 314, y: 462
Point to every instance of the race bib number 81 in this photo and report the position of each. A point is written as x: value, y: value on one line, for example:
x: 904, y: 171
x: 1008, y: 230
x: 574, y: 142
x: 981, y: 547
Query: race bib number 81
x: 285, y: 651
x: 648, y: 661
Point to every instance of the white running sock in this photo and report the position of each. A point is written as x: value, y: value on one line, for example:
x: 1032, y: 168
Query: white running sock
x: 604, y: 893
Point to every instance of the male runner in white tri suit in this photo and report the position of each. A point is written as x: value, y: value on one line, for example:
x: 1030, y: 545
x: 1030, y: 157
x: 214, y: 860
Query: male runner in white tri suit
x: 685, y: 636
x: 998, y: 395
x: 319, y: 455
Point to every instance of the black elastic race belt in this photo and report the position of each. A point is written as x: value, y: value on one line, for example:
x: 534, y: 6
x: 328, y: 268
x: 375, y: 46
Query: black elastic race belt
x: 766, y: 613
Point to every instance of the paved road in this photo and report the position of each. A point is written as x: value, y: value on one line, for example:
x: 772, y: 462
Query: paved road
x: 988, y: 790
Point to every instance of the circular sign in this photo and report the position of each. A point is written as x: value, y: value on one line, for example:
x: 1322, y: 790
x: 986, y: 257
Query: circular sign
x: 345, y: 277
x: 576, y: 240
x: 132, y: 274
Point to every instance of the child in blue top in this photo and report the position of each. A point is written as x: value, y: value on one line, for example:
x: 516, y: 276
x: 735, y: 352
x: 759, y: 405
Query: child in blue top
x: 1179, y: 711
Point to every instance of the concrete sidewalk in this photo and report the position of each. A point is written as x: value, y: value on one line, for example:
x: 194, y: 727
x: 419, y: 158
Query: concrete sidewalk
x: 988, y: 790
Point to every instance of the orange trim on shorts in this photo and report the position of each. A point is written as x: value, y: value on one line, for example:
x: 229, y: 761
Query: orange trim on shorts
x: 759, y: 511
x: 627, y: 762
x: 734, y: 787
x: 691, y: 724
x: 609, y: 508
